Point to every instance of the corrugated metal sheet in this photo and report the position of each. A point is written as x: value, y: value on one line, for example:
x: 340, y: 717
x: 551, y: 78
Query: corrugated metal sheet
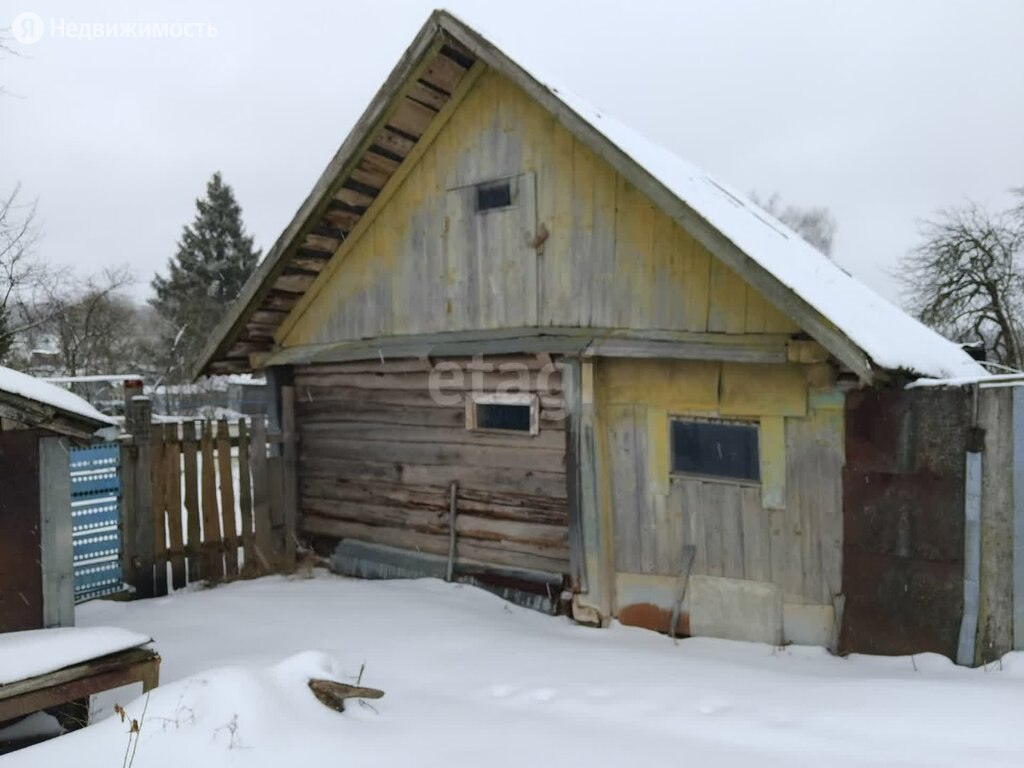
x: 903, y: 520
x: 96, y: 520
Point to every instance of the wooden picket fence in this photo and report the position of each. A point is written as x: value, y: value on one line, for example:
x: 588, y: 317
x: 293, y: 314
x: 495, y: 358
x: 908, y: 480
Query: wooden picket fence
x: 213, y: 500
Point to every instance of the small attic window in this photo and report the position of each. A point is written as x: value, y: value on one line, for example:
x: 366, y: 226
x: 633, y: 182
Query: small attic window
x: 493, y: 195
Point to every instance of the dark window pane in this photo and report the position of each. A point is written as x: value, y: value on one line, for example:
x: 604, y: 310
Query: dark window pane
x: 490, y: 196
x: 515, y: 417
x: 715, y: 449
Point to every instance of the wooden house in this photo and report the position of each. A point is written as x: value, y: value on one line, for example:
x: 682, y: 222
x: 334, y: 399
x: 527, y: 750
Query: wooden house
x: 38, y: 421
x: 522, y: 343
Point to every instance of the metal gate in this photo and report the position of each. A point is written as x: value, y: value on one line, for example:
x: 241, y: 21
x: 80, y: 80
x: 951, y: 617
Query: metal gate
x: 96, y: 520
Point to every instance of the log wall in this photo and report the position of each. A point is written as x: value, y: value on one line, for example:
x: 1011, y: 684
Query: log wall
x: 378, y: 453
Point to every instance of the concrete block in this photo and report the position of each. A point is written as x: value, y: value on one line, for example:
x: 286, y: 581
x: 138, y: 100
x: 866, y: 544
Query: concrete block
x: 735, y: 609
x: 809, y: 625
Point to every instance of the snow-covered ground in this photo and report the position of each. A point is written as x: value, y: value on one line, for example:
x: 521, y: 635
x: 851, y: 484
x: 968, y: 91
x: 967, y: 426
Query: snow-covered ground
x: 471, y: 680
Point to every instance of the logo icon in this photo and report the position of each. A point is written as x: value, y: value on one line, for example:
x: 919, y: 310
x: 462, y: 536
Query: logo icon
x: 28, y: 27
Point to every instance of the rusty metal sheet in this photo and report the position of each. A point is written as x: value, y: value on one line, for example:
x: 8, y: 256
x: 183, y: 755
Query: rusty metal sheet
x: 651, y: 616
x: 21, y: 579
x: 917, y: 516
x: 903, y: 520
x: 898, y: 605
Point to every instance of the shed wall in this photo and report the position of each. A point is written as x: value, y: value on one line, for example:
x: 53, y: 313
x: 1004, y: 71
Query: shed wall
x: 379, y: 450
x: 776, y: 544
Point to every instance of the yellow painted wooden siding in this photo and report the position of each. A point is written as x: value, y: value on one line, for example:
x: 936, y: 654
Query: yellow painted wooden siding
x: 787, y: 531
x: 612, y: 259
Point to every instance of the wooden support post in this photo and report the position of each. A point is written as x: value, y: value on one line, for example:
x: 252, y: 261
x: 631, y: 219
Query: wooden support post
x: 213, y: 560
x: 290, y: 479
x: 453, y: 506
x: 157, y: 472
x: 55, y: 533
x: 140, y: 505
x: 172, y: 495
x: 227, y: 499
x: 245, y: 500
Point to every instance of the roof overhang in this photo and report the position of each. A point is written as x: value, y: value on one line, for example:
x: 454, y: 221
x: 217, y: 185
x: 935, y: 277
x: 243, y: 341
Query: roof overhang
x: 33, y: 413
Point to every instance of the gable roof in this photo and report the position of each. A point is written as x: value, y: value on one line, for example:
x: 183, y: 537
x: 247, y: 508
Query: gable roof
x: 38, y: 403
x: 863, y: 330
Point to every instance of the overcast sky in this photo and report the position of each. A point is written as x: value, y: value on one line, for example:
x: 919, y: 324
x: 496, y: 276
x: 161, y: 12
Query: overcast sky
x: 882, y: 111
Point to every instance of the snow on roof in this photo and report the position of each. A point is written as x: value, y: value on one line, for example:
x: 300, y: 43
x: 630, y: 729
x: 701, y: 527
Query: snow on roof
x: 31, y: 388
x: 889, y: 336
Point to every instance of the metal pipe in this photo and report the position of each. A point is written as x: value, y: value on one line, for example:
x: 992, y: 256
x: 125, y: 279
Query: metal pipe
x: 972, y: 543
x: 453, y: 496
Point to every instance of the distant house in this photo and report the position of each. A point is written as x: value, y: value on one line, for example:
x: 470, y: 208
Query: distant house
x: 38, y: 421
x: 636, y: 390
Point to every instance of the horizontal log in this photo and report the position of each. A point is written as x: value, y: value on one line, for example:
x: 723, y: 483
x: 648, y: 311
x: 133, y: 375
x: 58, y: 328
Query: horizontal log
x: 509, y: 457
x: 401, y: 365
x: 536, y: 509
x: 410, y: 397
x: 368, y: 432
x: 314, y: 414
x: 551, y: 484
x: 550, y: 540
x: 449, y: 382
x: 484, y: 554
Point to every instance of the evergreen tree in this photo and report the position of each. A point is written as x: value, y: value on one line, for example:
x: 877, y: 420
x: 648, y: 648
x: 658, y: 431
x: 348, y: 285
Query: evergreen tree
x: 215, y: 257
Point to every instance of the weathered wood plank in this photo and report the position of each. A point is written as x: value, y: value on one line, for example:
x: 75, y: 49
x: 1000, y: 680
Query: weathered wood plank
x: 693, y: 522
x: 756, y: 543
x: 245, y: 500
x: 159, y: 513
x: 713, y: 502
x: 519, y: 536
x: 509, y: 457
x: 386, y: 433
x: 213, y: 563
x: 537, y: 509
x: 79, y: 681
x: 625, y: 505
x: 482, y: 478
x: 451, y: 382
x: 227, y: 499
x: 262, y: 535
x: 731, y: 515
x: 190, y: 472
x: 172, y: 494
x: 290, y: 481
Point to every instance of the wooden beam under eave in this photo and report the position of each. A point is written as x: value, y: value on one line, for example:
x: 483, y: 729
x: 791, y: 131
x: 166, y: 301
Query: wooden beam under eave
x: 422, y: 50
x: 367, y: 219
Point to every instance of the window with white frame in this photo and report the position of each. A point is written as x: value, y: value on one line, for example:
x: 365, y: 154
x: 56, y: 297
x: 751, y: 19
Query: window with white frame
x: 716, y: 448
x: 503, y: 412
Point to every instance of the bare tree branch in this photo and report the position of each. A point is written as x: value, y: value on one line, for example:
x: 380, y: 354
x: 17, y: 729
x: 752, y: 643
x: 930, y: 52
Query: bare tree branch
x: 966, y: 280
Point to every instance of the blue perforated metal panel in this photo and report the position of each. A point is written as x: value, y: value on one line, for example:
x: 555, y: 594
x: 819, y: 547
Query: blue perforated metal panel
x: 96, y: 520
